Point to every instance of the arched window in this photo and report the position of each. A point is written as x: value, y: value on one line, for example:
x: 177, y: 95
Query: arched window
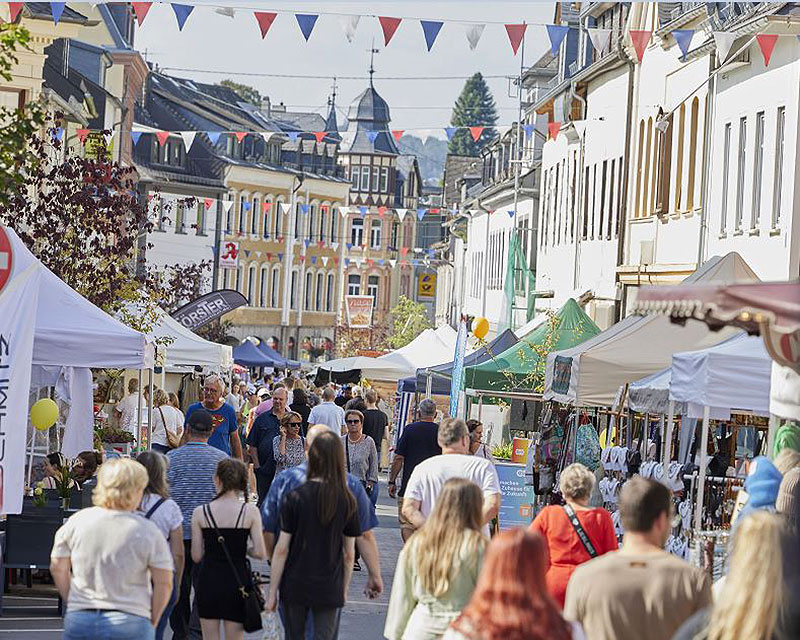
x: 679, y: 158
x: 277, y: 219
x: 647, y: 158
x: 255, y: 215
x: 275, y: 290
x: 242, y: 214
x: 312, y: 223
x: 319, y: 292
x: 323, y: 213
x: 695, y: 114
x: 265, y: 215
x: 251, y: 285
x: 263, y: 284
x: 357, y: 231
x: 298, y: 221
x: 330, y: 294
x: 239, y: 280
x: 308, y: 292
x: 293, y: 297
x: 639, y: 169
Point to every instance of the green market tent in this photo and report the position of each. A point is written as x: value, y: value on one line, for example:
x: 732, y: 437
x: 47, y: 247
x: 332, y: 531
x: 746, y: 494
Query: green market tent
x: 521, y: 367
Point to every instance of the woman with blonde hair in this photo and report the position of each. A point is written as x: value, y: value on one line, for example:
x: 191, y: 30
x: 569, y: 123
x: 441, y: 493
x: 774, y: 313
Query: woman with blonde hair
x: 439, y: 566
x: 112, y: 567
x: 167, y: 423
x: 756, y: 600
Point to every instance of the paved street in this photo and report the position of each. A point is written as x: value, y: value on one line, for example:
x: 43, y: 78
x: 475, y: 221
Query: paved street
x: 30, y: 614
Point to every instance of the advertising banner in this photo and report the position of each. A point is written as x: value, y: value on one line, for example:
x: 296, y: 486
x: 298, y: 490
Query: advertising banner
x: 359, y: 311
x: 516, y: 509
x: 209, y: 307
x: 229, y: 255
x: 458, y: 368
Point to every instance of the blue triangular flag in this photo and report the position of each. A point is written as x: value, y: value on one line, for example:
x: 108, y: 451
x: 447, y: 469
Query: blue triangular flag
x: 306, y: 22
x: 510, y: 213
x: 421, y: 213
x: 182, y: 12
x: 304, y: 209
x: 246, y: 253
x: 363, y: 211
x: 372, y: 135
x: 56, y: 9
x: 135, y: 135
x: 293, y: 135
x: 684, y: 39
x: 431, y: 29
x: 247, y: 206
x: 280, y: 257
x: 313, y: 259
x: 381, y: 262
x: 529, y: 129
x: 347, y: 262
x: 213, y: 136
x: 556, y: 33
x: 349, y: 246
x: 450, y: 131
x: 58, y: 133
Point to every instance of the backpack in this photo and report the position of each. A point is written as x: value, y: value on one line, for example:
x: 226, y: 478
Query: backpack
x: 587, y: 447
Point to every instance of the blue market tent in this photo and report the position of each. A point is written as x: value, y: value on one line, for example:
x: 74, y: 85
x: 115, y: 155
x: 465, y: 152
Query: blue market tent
x: 248, y: 355
x: 279, y: 362
x: 441, y: 374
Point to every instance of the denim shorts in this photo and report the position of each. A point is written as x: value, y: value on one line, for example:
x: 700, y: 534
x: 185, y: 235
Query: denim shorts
x: 92, y: 624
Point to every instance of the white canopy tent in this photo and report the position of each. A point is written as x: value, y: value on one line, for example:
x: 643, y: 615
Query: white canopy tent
x: 187, y: 349
x: 591, y: 373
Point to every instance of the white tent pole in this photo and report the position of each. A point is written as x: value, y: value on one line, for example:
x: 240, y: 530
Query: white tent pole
x: 150, y: 410
x: 164, y: 378
x: 701, y: 479
x: 771, y: 430
x: 480, y: 407
x: 428, y: 384
x: 139, y: 409
x: 668, y: 438
x: 662, y: 431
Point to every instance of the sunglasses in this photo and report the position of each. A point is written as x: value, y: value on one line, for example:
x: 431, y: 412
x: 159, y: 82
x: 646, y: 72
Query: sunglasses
x: 353, y: 421
x: 295, y: 424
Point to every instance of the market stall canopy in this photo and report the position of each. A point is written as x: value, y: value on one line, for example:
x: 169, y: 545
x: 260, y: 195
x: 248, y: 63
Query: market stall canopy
x: 518, y: 367
x: 72, y: 332
x: 249, y: 355
x: 279, y: 361
x: 442, y: 374
x: 591, y: 373
x: 729, y: 376
x: 369, y: 368
x: 651, y: 394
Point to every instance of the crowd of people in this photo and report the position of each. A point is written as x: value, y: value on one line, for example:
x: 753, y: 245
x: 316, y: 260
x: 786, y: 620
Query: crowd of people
x: 249, y: 475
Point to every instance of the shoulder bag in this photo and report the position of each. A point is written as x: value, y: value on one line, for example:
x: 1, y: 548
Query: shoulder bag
x: 173, y: 439
x: 576, y: 524
x: 251, y: 595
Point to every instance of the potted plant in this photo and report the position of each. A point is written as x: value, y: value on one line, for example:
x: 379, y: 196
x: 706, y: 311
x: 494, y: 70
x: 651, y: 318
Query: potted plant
x: 113, y: 441
x: 64, y: 484
x: 39, y: 497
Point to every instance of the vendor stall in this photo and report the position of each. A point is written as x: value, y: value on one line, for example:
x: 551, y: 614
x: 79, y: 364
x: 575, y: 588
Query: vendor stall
x: 279, y: 361
x: 249, y: 355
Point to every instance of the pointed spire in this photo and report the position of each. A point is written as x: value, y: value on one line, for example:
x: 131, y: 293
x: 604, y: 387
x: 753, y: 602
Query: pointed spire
x: 331, y: 125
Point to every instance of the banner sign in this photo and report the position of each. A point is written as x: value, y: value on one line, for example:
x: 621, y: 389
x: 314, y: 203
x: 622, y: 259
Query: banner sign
x: 426, y: 285
x: 516, y: 508
x: 458, y: 368
x: 229, y: 255
x: 562, y: 371
x: 18, y: 304
x: 359, y: 311
x: 208, y: 308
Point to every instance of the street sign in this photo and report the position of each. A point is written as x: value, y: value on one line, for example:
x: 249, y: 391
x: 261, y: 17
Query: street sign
x: 426, y: 285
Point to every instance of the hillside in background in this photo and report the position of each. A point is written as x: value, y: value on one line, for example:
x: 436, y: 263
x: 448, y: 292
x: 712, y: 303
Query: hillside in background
x: 430, y: 155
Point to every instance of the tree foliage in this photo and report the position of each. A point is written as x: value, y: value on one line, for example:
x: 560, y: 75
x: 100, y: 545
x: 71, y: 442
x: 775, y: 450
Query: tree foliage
x: 409, y: 319
x: 475, y: 107
x: 244, y: 91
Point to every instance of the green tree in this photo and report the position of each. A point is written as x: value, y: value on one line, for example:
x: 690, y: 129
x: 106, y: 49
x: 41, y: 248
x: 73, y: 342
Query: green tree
x: 409, y: 319
x: 475, y: 107
x: 244, y: 91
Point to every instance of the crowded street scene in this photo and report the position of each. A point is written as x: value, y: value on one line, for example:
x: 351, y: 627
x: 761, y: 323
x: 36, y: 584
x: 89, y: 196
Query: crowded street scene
x: 403, y: 320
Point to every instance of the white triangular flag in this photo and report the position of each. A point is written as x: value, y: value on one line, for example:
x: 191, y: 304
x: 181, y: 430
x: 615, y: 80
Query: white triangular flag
x: 226, y: 205
x: 599, y: 38
x: 188, y: 139
x: 285, y: 207
x: 401, y: 213
x: 349, y: 24
x: 325, y: 260
x: 358, y: 262
x: 723, y: 41
x: 424, y: 134
x: 267, y: 135
x: 392, y: 263
x: 344, y: 211
x: 580, y: 127
x: 474, y: 33
x: 258, y: 254
x: 334, y: 245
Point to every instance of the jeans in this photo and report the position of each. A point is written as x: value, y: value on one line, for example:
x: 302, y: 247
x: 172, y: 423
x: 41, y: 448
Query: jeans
x: 263, y: 482
x: 323, y: 623
x: 184, y: 620
x: 373, y: 495
x: 162, y: 623
x: 92, y: 624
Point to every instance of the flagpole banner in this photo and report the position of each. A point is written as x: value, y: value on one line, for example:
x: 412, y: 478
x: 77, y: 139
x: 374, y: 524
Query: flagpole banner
x: 458, y: 368
x: 209, y: 307
x: 359, y: 311
x: 18, y: 304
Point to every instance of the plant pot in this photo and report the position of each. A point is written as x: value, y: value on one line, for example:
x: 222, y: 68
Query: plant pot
x: 65, y: 503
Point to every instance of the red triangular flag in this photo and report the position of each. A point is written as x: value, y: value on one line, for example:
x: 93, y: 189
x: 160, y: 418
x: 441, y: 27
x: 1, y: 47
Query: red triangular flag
x: 208, y: 202
x: 266, y: 206
x: 320, y: 135
x: 553, y: 128
x: 640, y: 40
x: 269, y: 256
x: 140, y: 9
x: 335, y: 261
x: 162, y: 137
x: 82, y: 134
x: 381, y: 212
x: 515, y: 34
x: 240, y: 135
x: 767, y: 43
x: 301, y: 258
x: 476, y: 132
x: 398, y: 133
x: 403, y: 251
x: 265, y: 21
x: 389, y: 26
x: 370, y: 262
x: 321, y: 244
x: 13, y: 9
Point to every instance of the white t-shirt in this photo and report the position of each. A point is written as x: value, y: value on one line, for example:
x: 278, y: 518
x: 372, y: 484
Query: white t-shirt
x: 111, y: 553
x: 328, y: 413
x: 429, y: 476
x: 174, y: 418
x: 127, y: 408
x: 235, y: 401
x: 168, y: 515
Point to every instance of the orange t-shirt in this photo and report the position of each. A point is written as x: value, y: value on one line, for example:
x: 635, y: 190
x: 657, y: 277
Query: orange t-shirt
x: 566, y: 549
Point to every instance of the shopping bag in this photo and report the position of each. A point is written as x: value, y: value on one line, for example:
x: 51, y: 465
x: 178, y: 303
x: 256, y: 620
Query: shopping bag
x: 272, y: 627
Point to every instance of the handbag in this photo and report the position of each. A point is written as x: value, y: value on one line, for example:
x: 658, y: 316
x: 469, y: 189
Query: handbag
x: 253, y: 598
x: 173, y: 439
x: 576, y: 524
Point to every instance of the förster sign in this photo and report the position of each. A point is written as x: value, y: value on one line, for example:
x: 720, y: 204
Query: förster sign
x: 208, y: 308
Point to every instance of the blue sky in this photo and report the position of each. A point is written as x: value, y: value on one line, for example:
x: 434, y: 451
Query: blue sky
x: 233, y: 47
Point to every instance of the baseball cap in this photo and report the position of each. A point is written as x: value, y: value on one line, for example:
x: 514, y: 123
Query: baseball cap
x: 263, y: 392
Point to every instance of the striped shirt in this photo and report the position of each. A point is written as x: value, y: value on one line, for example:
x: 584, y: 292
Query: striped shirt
x: 191, y: 478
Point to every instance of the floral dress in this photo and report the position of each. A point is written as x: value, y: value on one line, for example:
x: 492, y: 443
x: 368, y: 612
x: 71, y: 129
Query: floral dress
x: 295, y: 453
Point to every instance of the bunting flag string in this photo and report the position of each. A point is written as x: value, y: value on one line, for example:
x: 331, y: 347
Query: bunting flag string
x: 140, y: 10
x: 553, y: 128
x: 556, y: 33
x: 14, y: 9
x: 723, y: 42
x: 182, y: 13
x: 188, y: 139
x: 474, y: 33
x: 306, y: 22
x: 57, y: 10
x: 226, y: 205
x: 640, y: 40
x: 515, y: 34
x: 599, y: 38
x: 135, y: 135
x: 683, y: 37
x: 766, y: 41
x: 389, y: 27
x: 476, y: 132
x: 265, y: 20
x: 431, y: 28
x: 349, y: 25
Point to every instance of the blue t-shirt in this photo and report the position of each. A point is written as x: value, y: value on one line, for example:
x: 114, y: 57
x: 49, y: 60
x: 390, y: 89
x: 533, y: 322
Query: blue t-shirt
x: 224, y: 420
x: 290, y: 479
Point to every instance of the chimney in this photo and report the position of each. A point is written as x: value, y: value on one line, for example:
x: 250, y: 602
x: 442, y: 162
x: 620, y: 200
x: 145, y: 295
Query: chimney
x: 266, y: 106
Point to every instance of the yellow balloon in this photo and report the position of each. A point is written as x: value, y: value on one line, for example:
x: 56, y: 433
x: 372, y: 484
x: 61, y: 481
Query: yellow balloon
x: 44, y: 414
x: 480, y: 328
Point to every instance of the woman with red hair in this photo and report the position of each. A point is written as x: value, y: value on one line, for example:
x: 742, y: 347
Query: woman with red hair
x: 511, y: 600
